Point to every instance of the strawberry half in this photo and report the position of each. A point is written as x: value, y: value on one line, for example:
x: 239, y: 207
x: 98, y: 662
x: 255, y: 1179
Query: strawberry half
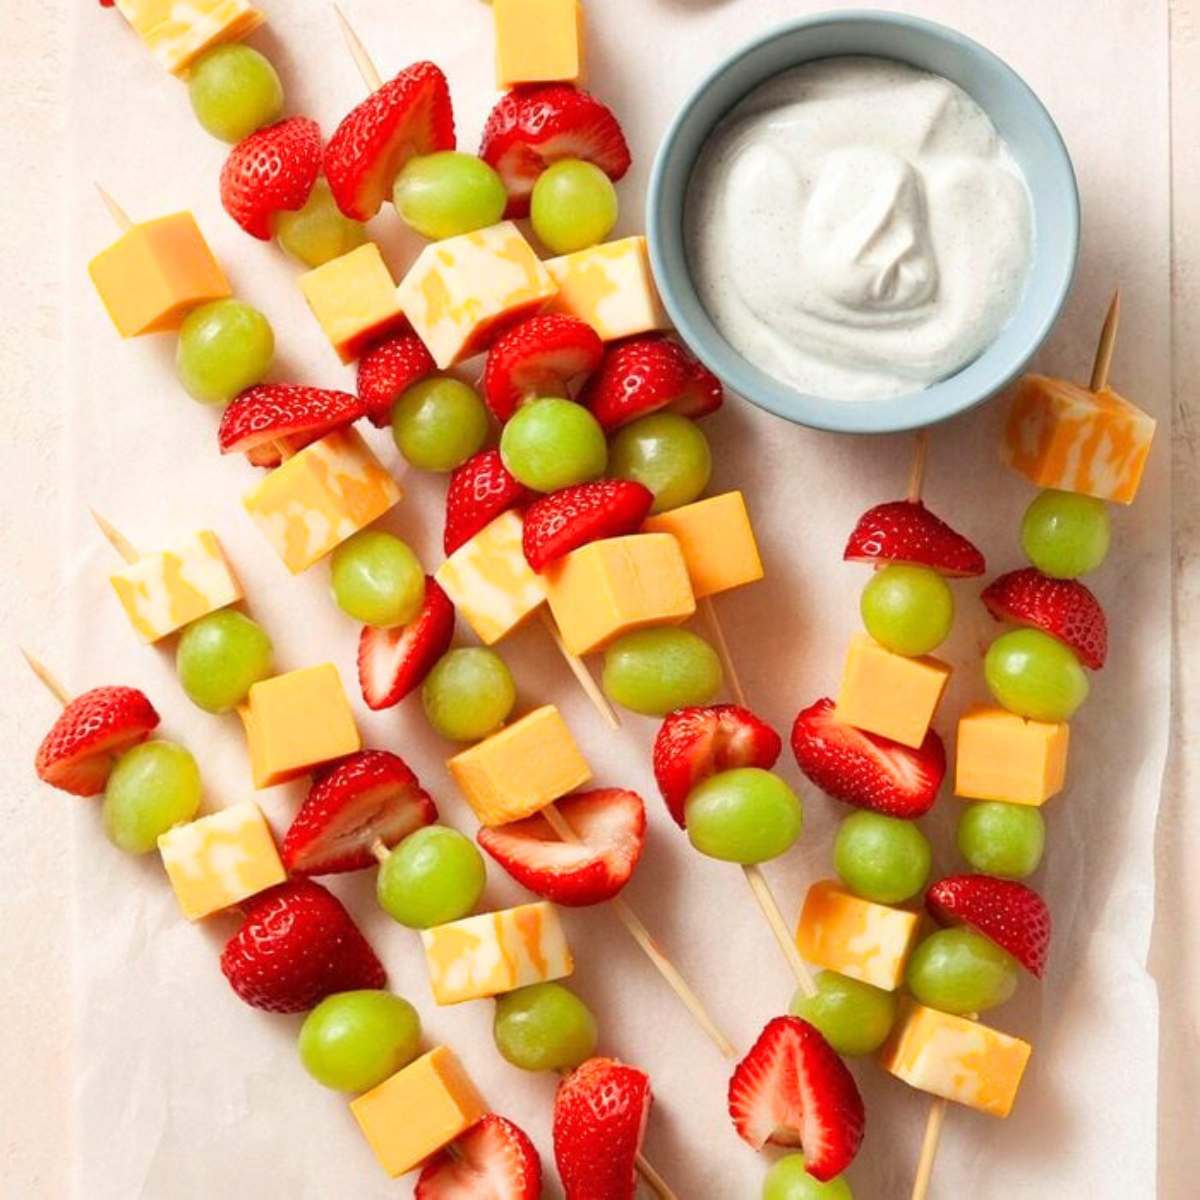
x: 268, y: 416
x: 273, y: 170
x: 563, y: 521
x: 534, y: 126
x: 1063, y: 608
x: 479, y: 491
x: 391, y: 662
x: 611, y: 826
x: 600, y: 1115
x: 864, y: 769
x: 493, y: 1160
x: 407, y: 116
x: 905, y: 531
x: 694, y: 743
x: 82, y: 746
x: 388, y: 369
x: 793, y: 1090
x: 297, y: 945
x: 1014, y: 916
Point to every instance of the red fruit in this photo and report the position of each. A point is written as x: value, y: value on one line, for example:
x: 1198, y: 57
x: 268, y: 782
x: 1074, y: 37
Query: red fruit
x: 273, y: 170
x: 905, y: 531
x: 600, y: 1114
x: 1014, y: 916
x: 793, y: 1090
x: 407, y: 116
x: 269, y: 415
x: 388, y: 369
x: 532, y: 127
x: 611, y: 826
x: 479, y: 491
x: 391, y: 662
x: 493, y: 1160
x: 296, y: 946
x: 694, y: 743
x: 82, y: 747
x: 565, y: 520
x: 864, y: 769
x: 1063, y: 608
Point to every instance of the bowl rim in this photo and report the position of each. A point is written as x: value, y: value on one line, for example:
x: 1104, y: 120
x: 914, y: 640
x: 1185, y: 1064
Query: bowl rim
x: 941, y: 400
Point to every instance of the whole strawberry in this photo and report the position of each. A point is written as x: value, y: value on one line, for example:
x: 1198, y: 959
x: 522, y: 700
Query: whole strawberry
x: 388, y: 369
x: 271, y: 171
x: 563, y: 521
x: 480, y: 490
x: 1063, y: 608
x: 266, y: 419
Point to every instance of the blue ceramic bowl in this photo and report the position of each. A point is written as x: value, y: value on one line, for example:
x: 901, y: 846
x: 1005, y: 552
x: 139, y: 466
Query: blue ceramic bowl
x: 1020, y: 119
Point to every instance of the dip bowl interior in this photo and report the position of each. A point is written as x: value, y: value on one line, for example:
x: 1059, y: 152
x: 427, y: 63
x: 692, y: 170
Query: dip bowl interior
x: 1021, y: 121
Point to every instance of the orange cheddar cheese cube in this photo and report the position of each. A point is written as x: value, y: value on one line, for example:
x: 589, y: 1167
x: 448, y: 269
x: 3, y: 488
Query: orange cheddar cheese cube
x: 1002, y: 756
x: 717, y: 541
x: 888, y: 694
x: 844, y: 933
x: 610, y: 287
x: 417, y: 1111
x: 155, y: 273
x: 1060, y: 435
x: 219, y: 860
x: 177, y: 32
x: 354, y: 299
x: 615, y: 585
x: 538, y: 41
x: 296, y: 722
x: 463, y: 292
x: 518, y: 771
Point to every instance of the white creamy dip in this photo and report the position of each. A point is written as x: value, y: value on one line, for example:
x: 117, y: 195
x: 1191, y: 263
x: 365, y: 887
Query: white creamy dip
x: 857, y: 228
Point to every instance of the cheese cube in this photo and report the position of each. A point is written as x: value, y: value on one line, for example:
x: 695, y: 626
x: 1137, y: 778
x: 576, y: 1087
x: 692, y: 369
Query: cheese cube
x: 956, y: 1058
x: 521, y: 769
x: 417, y: 1111
x: 538, y: 41
x: 463, y: 292
x: 489, y: 581
x: 888, y: 694
x: 496, y: 952
x: 220, y: 860
x: 177, y: 32
x: 717, y: 541
x: 318, y: 498
x: 296, y: 722
x: 615, y: 585
x: 610, y: 287
x: 1063, y: 436
x: 354, y: 299
x: 165, y: 591
x: 1005, y: 757
x: 155, y: 273
x: 856, y: 937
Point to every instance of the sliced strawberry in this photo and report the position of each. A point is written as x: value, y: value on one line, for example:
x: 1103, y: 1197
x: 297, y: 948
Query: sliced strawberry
x: 263, y: 419
x: 534, y: 126
x: 1063, y: 608
x: 793, y: 1090
x: 905, y: 531
x: 271, y: 171
x: 388, y: 369
x: 493, y: 1160
x: 480, y: 490
x: 407, y: 116
x: 83, y: 744
x: 391, y: 662
x: 1014, y: 916
x: 563, y: 521
x: 694, y: 743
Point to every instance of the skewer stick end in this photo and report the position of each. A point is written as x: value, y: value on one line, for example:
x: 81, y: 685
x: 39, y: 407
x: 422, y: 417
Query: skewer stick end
x: 47, y: 679
x: 115, y: 538
x: 119, y: 215
x: 362, y: 60
x: 1108, y: 337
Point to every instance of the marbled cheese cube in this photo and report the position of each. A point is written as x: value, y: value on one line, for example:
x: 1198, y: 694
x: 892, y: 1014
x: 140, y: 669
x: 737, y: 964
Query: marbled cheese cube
x: 717, y: 541
x: 538, y: 41
x: 177, y: 32
x: 610, y: 287
x: 1002, y: 756
x: 354, y: 300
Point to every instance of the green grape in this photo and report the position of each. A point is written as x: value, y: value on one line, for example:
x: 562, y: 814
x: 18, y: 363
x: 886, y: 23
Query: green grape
x: 960, y: 971
x: 746, y: 815
x: 219, y: 657
x: 223, y: 348
x: 1034, y: 675
x: 442, y: 195
x: 319, y: 232
x: 468, y: 694
x: 788, y: 1180
x: 544, y: 1027
x: 152, y: 788
x: 881, y: 858
x: 573, y: 206
x: 1065, y: 534
x: 666, y: 452
x: 439, y: 423
x: 1002, y: 839
x: 353, y: 1040
x: 653, y: 671
x: 234, y: 91
x: 855, y: 1018
x: 377, y: 579
x: 909, y: 610
x: 553, y: 443
x: 435, y: 875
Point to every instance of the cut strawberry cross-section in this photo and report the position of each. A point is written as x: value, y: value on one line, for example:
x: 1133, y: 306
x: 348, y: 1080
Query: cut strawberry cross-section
x: 905, y: 531
x: 1014, y: 916
x: 387, y: 370
x: 479, y: 491
x: 538, y: 357
x: 391, y: 662
x: 564, y: 520
x: 493, y: 1159
x: 271, y: 171
x: 1063, y: 608
x: 268, y: 418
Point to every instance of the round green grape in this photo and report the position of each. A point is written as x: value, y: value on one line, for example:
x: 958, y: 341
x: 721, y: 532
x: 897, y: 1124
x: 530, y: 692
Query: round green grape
x: 1001, y: 839
x: 220, y: 656
x: 788, y: 1180
x: 354, y: 1040
x: 908, y: 610
x: 1034, y: 675
x: 435, y: 875
x: 544, y: 1027
x: 1065, y: 534
x: 552, y: 443
x: 377, y: 579
x: 444, y: 194
x: 881, y: 858
x: 654, y: 671
x: 439, y: 423
x: 746, y: 815
x: 854, y: 1017
x: 234, y: 91
x: 223, y: 348
x: 960, y: 971
x: 468, y: 694
x: 573, y: 206
x: 152, y: 788
x: 667, y: 453
x: 319, y: 232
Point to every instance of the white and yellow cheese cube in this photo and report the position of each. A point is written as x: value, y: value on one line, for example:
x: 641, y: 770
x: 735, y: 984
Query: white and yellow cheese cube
x: 611, y: 288
x: 177, y: 32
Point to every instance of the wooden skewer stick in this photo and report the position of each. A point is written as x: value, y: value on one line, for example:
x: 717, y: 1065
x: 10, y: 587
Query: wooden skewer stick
x: 718, y: 633
x: 362, y: 60
x: 579, y: 669
x: 48, y: 680
x: 654, y: 1181
x: 916, y: 474
x: 1108, y: 337
x: 116, y: 539
x: 770, y: 909
x: 120, y: 217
